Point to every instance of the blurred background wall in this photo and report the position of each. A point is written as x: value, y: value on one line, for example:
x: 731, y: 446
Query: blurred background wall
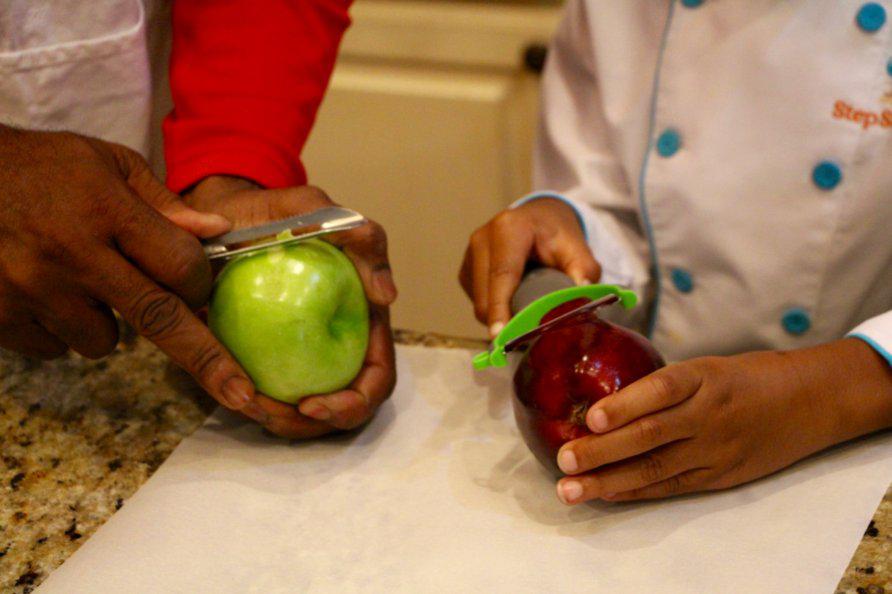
x: 427, y: 128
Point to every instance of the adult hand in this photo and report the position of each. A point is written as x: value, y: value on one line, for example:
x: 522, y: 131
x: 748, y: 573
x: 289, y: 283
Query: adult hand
x: 246, y: 204
x: 545, y: 230
x: 85, y: 228
x: 716, y: 422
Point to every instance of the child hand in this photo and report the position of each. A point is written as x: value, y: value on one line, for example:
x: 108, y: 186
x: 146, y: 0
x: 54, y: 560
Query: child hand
x: 716, y: 422
x: 546, y: 230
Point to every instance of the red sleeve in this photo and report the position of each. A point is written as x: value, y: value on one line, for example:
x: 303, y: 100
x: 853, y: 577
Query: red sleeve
x: 247, y: 78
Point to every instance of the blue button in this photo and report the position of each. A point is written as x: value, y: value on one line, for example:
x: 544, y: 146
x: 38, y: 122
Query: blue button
x: 668, y: 143
x: 682, y: 280
x: 871, y: 17
x: 692, y: 3
x: 796, y: 321
x: 826, y: 175
x: 889, y: 66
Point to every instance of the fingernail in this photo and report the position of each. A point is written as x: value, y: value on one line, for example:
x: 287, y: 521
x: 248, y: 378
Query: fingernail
x: 581, y: 281
x: 495, y: 329
x: 213, y: 217
x: 569, y: 491
x: 237, y: 392
x: 597, y: 420
x: 315, y: 411
x: 217, y: 222
x: 254, y: 411
x: 567, y: 461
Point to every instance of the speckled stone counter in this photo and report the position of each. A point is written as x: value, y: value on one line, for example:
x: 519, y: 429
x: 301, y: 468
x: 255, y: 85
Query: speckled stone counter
x: 78, y: 437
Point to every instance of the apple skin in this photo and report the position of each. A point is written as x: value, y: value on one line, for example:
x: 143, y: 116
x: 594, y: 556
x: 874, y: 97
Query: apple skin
x: 566, y: 370
x: 295, y: 317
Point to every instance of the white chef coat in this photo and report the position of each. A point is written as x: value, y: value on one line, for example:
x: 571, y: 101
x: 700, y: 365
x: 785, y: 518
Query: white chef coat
x: 731, y: 160
x: 78, y: 65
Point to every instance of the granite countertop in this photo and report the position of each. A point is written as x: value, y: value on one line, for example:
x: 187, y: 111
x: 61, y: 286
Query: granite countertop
x: 78, y: 437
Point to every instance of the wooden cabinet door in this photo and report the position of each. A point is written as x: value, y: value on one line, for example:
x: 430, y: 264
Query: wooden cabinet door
x: 431, y: 140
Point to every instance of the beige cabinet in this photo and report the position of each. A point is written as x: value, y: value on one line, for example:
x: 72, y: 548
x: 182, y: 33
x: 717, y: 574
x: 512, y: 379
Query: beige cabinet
x: 427, y: 128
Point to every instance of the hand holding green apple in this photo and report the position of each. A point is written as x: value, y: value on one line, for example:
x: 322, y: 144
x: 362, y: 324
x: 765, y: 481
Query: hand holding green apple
x: 295, y: 317
x: 246, y: 205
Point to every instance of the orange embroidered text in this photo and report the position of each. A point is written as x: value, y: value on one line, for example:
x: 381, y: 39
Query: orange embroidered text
x: 865, y: 119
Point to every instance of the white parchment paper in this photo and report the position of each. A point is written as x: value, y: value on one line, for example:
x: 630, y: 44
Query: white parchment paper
x: 439, y: 494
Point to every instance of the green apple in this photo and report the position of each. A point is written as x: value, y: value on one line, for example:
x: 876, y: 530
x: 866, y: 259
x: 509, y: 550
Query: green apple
x: 295, y: 317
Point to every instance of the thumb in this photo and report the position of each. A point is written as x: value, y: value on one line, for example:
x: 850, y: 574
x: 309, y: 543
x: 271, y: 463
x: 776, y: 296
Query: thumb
x: 199, y: 224
x: 152, y: 191
x: 575, y: 259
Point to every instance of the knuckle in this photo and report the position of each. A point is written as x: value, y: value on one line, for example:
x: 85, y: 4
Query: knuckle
x: 127, y: 153
x: 77, y: 145
x: 548, y: 234
x: 372, y: 234
x: 101, y: 343
x: 481, y: 313
x: 712, y: 369
x: 128, y: 159
x: 673, y: 485
x: 105, y: 346
x: 90, y: 154
x: 586, y: 454
x: 478, y: 238
x: 464, y: 279
x: 378, y: 235
x: 311, y: 196
x: 737, y: 464
x: 187, y: 264
x: 105, y: 204
x: 24, y: 280
x: 593, y: 484
x: 206, y: 360
x: 663, y: 386
x: 723, y: 401
x: 57, y: 252
x: 156, y: 313
x: 652, y: 468
x: 505, y: 222
x: 650, y: 431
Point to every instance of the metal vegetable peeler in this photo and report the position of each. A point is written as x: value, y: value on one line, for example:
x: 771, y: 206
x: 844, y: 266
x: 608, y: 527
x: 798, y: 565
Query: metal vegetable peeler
x: 527, y: 324
x: 319, y: 222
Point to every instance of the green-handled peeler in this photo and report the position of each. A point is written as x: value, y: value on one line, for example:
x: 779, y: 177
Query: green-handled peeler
x: 528, y: 321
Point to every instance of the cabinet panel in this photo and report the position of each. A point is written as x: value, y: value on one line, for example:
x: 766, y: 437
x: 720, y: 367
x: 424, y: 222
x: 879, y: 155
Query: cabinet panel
x: 428, y: 127
x: 490, y: 34
x: 424, y: 153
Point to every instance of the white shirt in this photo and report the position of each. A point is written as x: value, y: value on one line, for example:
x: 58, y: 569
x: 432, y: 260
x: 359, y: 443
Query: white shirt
x: 79, y: 65
x: 731, y: 161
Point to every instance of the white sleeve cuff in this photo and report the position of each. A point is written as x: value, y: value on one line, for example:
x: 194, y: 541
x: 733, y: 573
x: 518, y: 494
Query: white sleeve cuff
x: 618, y: 263
x: 877, y: 332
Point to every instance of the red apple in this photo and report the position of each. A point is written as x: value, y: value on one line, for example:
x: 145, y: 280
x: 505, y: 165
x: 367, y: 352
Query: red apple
x: 566, y: 370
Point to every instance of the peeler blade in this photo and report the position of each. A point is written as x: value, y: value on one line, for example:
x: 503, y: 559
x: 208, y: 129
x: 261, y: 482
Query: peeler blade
x: 319, y: 222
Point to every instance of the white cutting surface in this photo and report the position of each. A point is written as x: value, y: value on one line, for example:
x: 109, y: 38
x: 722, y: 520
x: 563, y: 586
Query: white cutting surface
x: 439, y: 494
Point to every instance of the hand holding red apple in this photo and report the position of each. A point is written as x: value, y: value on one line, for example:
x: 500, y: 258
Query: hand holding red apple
x: 245, y: 204
x: 716, y: 422
x: 569, y: 368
